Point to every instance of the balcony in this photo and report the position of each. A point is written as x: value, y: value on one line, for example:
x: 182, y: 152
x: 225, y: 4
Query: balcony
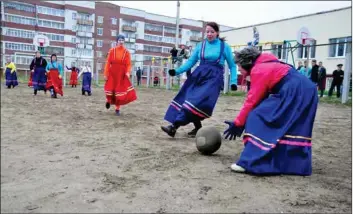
x: 195, y: 38
x: 129, y: 28
x: 85, y: 22
x: 84, y: 34
x: 84, y: 46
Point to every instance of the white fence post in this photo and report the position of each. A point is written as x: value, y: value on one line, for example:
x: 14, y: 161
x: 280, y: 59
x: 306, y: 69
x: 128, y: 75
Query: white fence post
x: 148, y: 76
x: 347, y: 77
x: 167, y: 85
x: 226, y: 79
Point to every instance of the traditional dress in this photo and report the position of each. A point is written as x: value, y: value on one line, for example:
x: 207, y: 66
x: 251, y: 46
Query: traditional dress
x: 74, y: 76
x: 86, y: 80
x: 55, y: 73
x: 118, y: 88
x: 278, y: 115
x: 10, y: 75
x: 39, y: 78
x: 199, y: 94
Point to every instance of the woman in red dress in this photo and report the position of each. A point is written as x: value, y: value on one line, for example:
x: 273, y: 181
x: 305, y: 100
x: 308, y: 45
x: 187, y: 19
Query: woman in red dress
x: 73, y: 76
x: 118, y: 88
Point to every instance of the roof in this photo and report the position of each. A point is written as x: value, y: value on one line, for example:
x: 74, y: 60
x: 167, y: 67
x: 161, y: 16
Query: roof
x: 295, y: 17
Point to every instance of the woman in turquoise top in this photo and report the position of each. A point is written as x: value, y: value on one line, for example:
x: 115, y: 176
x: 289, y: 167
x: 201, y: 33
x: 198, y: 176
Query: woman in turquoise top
x: 199, y: 94
x: 54, y: 73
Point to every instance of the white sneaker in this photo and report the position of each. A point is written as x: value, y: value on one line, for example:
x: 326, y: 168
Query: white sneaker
x: 237, y: 168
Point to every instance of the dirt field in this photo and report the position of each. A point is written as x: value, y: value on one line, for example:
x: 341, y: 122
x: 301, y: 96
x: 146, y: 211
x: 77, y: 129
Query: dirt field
x: 73, y: 155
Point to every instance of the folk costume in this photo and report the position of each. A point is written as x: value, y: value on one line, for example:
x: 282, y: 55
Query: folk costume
x: 277, y: 118
x: 39, y: 77
x: 118, y: 88
x: 54, y: 74
x: 10, y: 75
x: 198, y: 96
x: 87, y: 76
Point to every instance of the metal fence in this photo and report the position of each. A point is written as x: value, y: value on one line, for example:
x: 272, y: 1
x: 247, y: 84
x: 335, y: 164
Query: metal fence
x: 155, y: 72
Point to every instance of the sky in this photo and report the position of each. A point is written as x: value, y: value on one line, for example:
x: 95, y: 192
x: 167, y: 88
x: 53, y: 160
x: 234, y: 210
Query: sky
x: 235, y: 13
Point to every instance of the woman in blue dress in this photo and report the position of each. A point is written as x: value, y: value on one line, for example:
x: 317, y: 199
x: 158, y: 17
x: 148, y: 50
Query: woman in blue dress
x: 39, y: 79
x: 199, y: 94
x: 10, y: 74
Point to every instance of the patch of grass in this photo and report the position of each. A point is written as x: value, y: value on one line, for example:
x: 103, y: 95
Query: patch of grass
x: 335, y: 101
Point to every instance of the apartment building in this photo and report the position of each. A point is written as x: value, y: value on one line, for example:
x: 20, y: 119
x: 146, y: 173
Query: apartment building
x: 80, y: 33
x: 68, y: 25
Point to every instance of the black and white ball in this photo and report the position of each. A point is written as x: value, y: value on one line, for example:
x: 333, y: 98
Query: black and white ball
x: 208, y: 140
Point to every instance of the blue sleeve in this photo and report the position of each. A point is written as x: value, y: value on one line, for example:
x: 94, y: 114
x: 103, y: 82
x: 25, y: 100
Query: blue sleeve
x: 231, y: 64
x: 47, y: 68
x: 191, y: 61
x: 61, y: 70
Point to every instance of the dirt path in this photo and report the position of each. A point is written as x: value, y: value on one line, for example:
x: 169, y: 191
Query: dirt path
x: 73, y: 155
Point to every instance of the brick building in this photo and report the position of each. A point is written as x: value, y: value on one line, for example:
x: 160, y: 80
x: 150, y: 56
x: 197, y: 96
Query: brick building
x: 81, y: 33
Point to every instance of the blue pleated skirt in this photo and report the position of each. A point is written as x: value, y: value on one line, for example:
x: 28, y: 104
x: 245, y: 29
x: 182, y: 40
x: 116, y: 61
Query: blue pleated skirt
x: 277, y: 135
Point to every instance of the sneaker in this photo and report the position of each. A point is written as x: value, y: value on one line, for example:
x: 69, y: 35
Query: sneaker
x: 193, y: 132
x: 237, y: 168
x: 170, y: 130
x: 107, y: 105
x: 117, y: 112
x: 83, y: 93
x: 89, y: 94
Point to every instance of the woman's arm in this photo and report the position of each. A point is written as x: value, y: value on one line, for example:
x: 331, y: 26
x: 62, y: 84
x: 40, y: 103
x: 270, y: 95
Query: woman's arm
x: 231, y: 64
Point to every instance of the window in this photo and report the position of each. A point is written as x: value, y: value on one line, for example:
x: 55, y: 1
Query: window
x: 340, y: 46
x: 302, y: 51
x: 20, y: 20
x: 23, y: 60
x: 84, y: 28
x: 84, y: 16
x: 100, y: 31
x: 166, y: 50
x: 17, y: 6
x: 19, y: 46
x: 51, y: 11
x: 153, y: 38
x: 99, y: 53
x: 100, y: 19
x: 169, y: 40
x: 99, y: 66
x: 84, y: 52
x: 152, y: 48
x: 113, y: 32
x: 129, y: 23
x: 99, y: 43
x: 73, y: 52
x: 151, y: 27
x: 169, y: 30
x: 279, y: 51
x: 50, y: 50
x: 74, y: 16
x: 73, y: 40
x: 129, y: 35
x: 196, y: 34
x: 114, y: 21
x: 113, y: 44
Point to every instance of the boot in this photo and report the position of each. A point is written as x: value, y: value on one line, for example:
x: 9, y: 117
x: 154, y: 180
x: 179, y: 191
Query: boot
x: 117, y: 112
x: 107, y: 105
x: 170, y: 130
x: 198, y: 126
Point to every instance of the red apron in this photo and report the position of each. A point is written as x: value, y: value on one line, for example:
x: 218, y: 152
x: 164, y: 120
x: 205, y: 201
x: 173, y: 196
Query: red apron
x: 54, y: 81
x: 73, y: 78
x: 118, y: 88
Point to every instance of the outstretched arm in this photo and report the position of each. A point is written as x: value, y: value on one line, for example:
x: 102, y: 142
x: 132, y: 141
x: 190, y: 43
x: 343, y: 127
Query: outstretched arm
x: 259, y: 89
x: 191, y: 61
x: 231, y: 64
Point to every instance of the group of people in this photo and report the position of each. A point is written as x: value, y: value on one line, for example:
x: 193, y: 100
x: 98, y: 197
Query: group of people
x: 317, y: 74
x: 276, y: 119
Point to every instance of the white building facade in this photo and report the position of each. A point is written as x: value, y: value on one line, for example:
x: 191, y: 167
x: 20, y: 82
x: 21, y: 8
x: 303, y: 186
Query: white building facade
x: 326, y: 28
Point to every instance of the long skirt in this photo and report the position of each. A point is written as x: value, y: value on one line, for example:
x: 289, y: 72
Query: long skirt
x: 198, y: 95
x: 39, y: 79
x: 11, y: 78
x: 55, y: 82
x: 73, y: 78
x: 118, y: 88
x: 86, y: 82
x: 278, y: 131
